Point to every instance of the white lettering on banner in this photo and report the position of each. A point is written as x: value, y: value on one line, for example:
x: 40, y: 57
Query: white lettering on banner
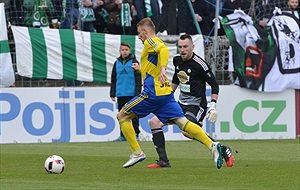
x: 83, y: 114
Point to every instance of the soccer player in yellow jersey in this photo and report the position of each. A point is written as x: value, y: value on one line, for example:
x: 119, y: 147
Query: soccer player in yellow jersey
x: 157, y: 97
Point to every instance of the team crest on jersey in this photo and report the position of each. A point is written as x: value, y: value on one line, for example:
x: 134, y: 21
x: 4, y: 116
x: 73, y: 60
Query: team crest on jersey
x: 183, y: 77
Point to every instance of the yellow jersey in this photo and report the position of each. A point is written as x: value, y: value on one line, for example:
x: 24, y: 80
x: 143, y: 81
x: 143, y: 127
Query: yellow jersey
x: 154, y: 55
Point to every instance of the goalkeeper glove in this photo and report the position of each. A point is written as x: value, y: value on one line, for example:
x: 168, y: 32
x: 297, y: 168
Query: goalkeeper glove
x: 212, y: 115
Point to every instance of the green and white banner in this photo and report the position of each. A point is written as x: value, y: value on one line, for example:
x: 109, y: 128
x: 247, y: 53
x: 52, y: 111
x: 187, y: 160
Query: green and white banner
x: 265, y: 59
x: 7, y: 76
x: 72, y: 54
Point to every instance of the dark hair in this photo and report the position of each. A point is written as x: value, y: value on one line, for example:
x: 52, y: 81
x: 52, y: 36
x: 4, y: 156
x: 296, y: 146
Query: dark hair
x: 186, y: 36
x: 125, y: 44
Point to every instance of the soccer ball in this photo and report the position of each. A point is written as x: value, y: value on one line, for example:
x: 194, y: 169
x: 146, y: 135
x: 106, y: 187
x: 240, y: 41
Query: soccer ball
x: 54, y: 164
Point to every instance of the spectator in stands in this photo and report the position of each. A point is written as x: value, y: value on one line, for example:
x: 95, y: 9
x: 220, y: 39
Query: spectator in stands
x: 87, y: 15
x: 38, y: 13
x: 230, y: 5
x: 134, y: 21
x: 70, y: 14
x: 101, y: 15
x: 169, y: 25
x: 294, y: 7
x: 182, y: 10
x: 265, y: 10
x: 164, y: 19
x: 125, y: 83
x: 203, y: 17
x: 227, y: 7
x: 116, y: 23
x: 146, y: 8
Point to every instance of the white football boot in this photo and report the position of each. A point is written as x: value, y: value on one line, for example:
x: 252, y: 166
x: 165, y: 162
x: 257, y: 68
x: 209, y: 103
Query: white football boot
x: 217, y: 154
x: 134, y: 159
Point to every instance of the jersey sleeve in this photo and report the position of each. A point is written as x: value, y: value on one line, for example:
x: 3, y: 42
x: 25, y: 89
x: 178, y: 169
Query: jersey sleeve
x: 154, y: 45
x: 164, y: 53
x: 209, y: 77
x: 211, y: 80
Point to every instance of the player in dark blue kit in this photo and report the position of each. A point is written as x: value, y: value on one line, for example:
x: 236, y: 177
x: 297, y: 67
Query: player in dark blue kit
x: 191, y: 75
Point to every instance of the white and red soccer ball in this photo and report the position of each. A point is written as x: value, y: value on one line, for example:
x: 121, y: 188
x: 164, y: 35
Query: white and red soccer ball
x: 54, y: 164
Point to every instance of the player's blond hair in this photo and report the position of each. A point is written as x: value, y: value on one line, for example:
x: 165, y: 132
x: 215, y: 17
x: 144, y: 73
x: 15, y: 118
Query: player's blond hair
x: 147, y: 22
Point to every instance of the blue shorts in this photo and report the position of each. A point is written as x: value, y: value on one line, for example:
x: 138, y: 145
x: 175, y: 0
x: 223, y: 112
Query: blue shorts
x: 165, y: 108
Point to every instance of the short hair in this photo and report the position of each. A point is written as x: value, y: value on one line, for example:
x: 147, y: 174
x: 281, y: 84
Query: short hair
x: 186, y: 36
x: 125, y: 44
x: 146, y: 22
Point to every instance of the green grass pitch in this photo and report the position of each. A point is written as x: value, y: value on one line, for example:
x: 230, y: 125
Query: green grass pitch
x: 259, y: 164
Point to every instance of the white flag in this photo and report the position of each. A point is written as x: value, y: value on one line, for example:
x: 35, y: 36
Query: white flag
x: 7, y: 77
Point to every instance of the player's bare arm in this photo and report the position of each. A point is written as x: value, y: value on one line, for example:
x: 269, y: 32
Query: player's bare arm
x: 163, y: 76
x: 174, y: 86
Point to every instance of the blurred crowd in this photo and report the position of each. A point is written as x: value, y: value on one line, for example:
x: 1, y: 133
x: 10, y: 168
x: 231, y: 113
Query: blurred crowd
x: 171, y: 17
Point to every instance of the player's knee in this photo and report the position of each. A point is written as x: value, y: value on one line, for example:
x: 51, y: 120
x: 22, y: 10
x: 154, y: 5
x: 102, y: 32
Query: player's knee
x: 154, y: 123
x: 151, y: 123
x: 180, y: 122
x: 191, y: 118
x: 120, y: 116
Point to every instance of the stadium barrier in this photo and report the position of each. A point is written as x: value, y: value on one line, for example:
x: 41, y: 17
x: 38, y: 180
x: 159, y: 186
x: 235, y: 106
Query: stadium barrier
x: 61, y: 114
